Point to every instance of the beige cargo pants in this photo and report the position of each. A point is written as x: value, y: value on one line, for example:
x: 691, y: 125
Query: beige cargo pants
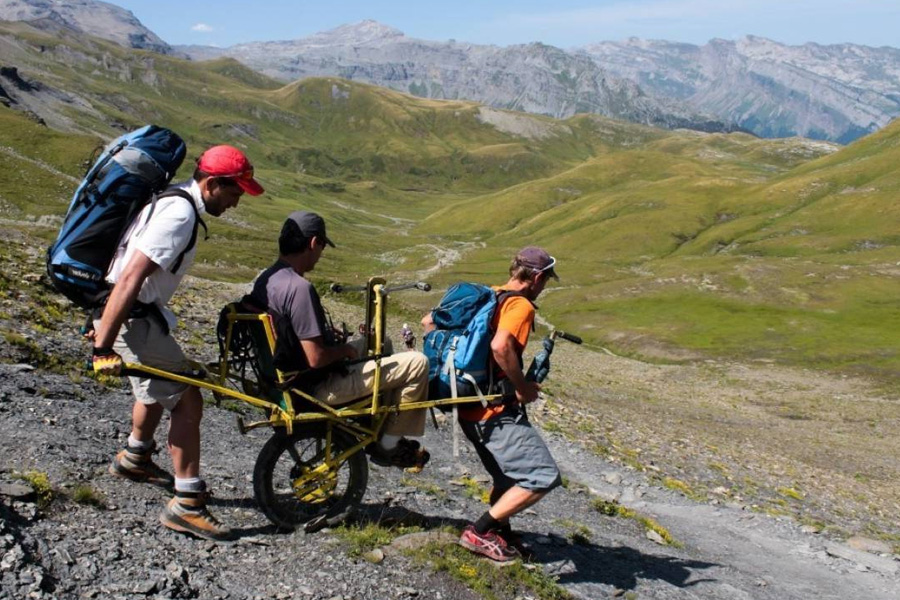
x: 404, y: 379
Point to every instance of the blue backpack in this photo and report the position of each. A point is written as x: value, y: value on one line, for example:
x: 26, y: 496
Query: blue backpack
x: 121, y: 182
x: 461, y: 343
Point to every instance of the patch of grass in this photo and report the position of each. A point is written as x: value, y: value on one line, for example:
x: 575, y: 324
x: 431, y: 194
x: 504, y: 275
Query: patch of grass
x: 486, y: 579
x: 678, y: 486
x: 85, y: 494
x: 473, y: 489
x: 719, y: 468
x: 34, y: 355
x: 600, y: 449
x: 611, y: 508
x: 631, y: 458
x: 428, y: 488
x: 40, y: 483
x: 362, y: 539
x: 790, y: 492
x: 578, y: 533
x: 552, y: 427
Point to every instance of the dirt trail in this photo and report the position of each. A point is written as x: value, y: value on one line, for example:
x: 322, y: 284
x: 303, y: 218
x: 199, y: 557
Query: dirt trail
x: 727, y: 552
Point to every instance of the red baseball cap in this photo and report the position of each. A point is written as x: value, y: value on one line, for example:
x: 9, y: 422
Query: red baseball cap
x: 228, y: 161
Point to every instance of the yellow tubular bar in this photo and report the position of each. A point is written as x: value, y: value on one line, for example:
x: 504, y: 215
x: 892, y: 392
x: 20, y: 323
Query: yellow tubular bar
x: 286, y: 416
x: 379, y: 344
x: 358, y: 409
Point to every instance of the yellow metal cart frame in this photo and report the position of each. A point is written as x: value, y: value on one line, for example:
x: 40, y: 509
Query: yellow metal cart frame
x: 312, y: 471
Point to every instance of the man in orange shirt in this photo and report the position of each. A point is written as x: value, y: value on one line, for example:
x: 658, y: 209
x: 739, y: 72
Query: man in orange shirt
x: 512, y: 451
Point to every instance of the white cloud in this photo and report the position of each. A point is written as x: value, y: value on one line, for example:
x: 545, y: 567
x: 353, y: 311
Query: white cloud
x: 202, y: 28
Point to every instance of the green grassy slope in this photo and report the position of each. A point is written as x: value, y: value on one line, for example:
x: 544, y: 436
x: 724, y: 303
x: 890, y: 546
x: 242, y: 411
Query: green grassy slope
x: 671, y: 244
x: 668, y: 250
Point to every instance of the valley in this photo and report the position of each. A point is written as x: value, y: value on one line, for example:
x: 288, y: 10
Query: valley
x: 739, y: 299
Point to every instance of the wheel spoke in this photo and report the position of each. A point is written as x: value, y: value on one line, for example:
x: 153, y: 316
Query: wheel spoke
x: 295, y: 481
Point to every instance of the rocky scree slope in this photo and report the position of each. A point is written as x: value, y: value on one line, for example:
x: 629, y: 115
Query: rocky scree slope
x: 83, y: 533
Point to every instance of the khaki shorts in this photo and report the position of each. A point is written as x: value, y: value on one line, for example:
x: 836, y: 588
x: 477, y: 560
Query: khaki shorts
x: 143, y: 341
x: 512, y: 451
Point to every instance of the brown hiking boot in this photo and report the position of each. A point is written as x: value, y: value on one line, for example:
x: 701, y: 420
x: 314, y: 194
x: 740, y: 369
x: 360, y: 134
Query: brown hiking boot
x: 139, y: 466
x: 187, y: 513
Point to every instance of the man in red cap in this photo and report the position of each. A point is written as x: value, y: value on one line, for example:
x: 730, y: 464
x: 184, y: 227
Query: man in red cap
x: 157, y: 250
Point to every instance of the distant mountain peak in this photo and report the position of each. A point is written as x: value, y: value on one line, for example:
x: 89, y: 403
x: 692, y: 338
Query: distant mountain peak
x: 363, y: 32
x: 836, y: 92
x: 93, y: 17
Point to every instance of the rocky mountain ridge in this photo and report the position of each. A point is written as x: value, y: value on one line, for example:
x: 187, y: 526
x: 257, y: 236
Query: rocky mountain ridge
x: 534, y: 78
x: 832, y: 92
x: 836, y: 92
x: 93, y: 17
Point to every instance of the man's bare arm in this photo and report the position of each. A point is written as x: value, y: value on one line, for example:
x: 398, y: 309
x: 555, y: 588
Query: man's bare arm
x: 122, y: 298
x: 505, y: 349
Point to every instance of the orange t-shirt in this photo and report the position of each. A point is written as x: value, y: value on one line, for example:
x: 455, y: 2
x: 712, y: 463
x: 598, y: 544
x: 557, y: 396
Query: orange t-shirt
x: 515, y: 315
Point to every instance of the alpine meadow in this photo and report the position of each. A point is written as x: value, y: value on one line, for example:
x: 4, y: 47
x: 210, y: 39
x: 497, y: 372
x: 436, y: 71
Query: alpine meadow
x: 738, y: 297
x: 680, y: 244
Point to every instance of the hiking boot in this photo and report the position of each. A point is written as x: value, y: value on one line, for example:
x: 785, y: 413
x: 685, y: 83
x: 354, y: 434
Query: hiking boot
x: 407, y: 455
x: 187, y: 513
x: 488, y: 544
x: 139, y: 466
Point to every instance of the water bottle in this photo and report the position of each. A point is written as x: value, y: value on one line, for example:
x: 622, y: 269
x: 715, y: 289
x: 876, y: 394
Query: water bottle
x: 540, y: 364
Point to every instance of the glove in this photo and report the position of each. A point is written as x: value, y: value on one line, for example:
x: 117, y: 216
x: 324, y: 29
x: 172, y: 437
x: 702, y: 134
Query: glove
x: 106, y: 361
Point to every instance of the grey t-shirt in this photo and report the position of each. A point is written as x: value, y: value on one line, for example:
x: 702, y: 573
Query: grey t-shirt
x: 286, y: 295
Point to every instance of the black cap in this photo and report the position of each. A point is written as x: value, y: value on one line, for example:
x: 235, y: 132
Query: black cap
x: 303, y: 224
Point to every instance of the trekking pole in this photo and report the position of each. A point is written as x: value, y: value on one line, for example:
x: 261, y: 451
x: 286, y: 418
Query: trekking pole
x: 540, y: 364
x: 338, y: 288
x: 419, y: 285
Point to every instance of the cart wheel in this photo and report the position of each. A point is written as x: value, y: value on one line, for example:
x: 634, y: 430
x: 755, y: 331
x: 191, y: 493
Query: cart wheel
x: 294, y: 484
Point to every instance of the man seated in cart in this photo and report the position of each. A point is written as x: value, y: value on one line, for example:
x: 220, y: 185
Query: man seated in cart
x: 283, y: 291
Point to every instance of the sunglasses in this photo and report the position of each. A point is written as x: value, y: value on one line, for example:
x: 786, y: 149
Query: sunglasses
x: 245, y: 175
x: 548, y: 267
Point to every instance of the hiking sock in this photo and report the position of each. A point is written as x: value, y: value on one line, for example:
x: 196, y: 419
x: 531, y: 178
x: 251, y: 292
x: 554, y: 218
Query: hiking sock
x: 504, y: 529
x: 137, y: 446
x: 486, y: 523
x: 189, y: 485
x: 389, y: 441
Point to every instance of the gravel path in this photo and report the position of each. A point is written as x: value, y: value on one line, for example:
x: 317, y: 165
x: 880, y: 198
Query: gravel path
x: 55, y: 421
x: 72, y: 550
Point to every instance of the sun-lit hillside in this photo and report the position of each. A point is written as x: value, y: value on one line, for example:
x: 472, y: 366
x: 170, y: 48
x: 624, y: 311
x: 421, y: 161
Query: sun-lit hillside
x: 672, y: 244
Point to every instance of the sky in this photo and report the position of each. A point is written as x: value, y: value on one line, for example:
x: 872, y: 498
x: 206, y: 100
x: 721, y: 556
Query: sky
x: 562, y: 23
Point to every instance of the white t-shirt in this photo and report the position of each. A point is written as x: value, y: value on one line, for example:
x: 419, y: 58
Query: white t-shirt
x: 161, y: 232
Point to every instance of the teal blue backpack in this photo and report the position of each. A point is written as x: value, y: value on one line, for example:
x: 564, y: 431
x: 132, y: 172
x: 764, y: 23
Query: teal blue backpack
x: 459, y: 349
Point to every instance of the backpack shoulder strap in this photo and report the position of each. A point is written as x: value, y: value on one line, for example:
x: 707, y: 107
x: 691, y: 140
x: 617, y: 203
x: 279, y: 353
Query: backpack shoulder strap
x: 174, y: 191
x: 504, y: 295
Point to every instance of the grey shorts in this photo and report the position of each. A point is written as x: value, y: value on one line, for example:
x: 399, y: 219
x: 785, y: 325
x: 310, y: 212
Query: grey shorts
x: 144, y: 341
x: 513, y: 452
